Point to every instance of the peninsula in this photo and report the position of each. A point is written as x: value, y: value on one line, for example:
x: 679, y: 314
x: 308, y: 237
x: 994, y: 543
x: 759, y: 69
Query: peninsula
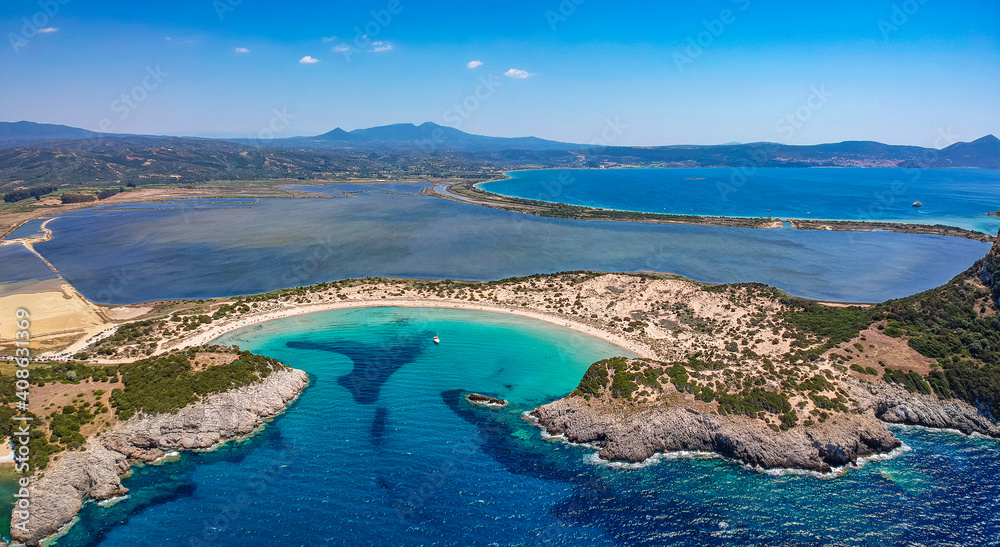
x: 717, y: 349
x: 92, y: 423
x: 470, y: 192
x: 742, y: 370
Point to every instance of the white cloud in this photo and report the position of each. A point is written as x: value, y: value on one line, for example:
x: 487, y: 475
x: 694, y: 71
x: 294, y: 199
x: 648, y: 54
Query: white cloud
x: 379, y: 47
x: 474, y: 64
x: 518, y: 74
x: 329, y: 38
x: 47, y: 30
x: 308, y: 60
x: 341, y: 48
x: 242, y: 50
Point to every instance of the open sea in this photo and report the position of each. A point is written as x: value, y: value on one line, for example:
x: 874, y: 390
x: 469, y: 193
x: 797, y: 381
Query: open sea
x: 955, y: 197
x: 381, y: 449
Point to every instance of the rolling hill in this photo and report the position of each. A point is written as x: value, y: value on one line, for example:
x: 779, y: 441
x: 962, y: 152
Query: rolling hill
x: 36, y: 154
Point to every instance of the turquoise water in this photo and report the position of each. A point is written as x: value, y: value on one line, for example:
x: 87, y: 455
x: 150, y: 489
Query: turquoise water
x: 139, y: 253
x: 381, y: 450
x: 955, y: 197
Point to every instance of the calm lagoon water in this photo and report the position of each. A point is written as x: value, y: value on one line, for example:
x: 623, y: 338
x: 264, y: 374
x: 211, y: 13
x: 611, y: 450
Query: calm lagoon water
x: 956, y: 197
x: 382, y: 450
x: 20, y: 264
x: 32, y: 228
x: 118, y: 255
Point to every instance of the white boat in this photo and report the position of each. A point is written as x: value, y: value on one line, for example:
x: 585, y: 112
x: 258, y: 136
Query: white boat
x: 436, y: 339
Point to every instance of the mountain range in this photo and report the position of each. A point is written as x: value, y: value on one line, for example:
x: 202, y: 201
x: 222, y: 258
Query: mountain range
x: 32, y: 153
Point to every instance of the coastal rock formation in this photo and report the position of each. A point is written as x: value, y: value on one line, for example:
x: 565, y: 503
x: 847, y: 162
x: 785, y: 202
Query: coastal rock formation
x: 891, y: 403
x: 485, y: 400
x: 989, y: 274
x: 96, y: 472
x: 634, y: 437
x: 632, y: 433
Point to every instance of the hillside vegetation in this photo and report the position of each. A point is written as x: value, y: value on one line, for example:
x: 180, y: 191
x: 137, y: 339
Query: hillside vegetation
x: 71, y: 401
x: 957, y: 325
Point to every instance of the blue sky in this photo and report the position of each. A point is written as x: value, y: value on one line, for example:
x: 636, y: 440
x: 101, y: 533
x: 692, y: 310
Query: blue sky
x: 631, y: 73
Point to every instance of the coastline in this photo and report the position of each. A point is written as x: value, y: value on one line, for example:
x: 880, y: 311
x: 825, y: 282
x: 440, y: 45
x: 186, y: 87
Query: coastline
x: 95, y: 473
x: 302, y: 309
x: 472, y: 193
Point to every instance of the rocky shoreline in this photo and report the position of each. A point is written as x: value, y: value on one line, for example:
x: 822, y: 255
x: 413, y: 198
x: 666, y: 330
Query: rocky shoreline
x: 96, y: 472
x: 486, y: 400
x: 631, y: 433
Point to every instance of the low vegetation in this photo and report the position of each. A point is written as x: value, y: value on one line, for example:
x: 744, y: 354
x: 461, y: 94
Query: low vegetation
x: 155, y: 385
x: 958, y: 326
x: 37, y: 192
x: 168, y: 383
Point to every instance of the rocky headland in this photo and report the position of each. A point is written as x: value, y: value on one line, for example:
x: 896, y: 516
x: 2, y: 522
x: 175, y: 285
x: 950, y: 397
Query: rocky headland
x: 932, y: 360
x: 627, y: 432
x: 96, y: 471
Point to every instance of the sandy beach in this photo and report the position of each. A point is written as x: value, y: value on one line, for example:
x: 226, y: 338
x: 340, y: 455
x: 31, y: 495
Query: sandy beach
x: 300, y: 309
x: 6, y: 454
x: 655, y: 318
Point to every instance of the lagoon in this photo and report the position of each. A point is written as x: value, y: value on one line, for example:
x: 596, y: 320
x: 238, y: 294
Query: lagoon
x: 185, y: 250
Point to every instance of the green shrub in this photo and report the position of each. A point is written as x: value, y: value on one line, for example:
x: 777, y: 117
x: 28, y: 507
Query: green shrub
x: 168, y: 383
x: 753, y: 401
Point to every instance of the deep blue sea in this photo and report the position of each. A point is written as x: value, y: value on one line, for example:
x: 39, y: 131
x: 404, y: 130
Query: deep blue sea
x: 955, y: 197
x: 381, y: 449
x: 210, y: 248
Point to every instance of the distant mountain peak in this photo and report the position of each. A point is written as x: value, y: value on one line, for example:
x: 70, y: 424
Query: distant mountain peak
x: 31, y: 131
x: 337, y: 133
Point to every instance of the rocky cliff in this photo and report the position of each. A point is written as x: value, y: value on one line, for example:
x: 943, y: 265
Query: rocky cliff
x: 990, y: 272
x: 96, y: 471
x: 630, y: 433
x: 893, y: 404
x: 637, y: 435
